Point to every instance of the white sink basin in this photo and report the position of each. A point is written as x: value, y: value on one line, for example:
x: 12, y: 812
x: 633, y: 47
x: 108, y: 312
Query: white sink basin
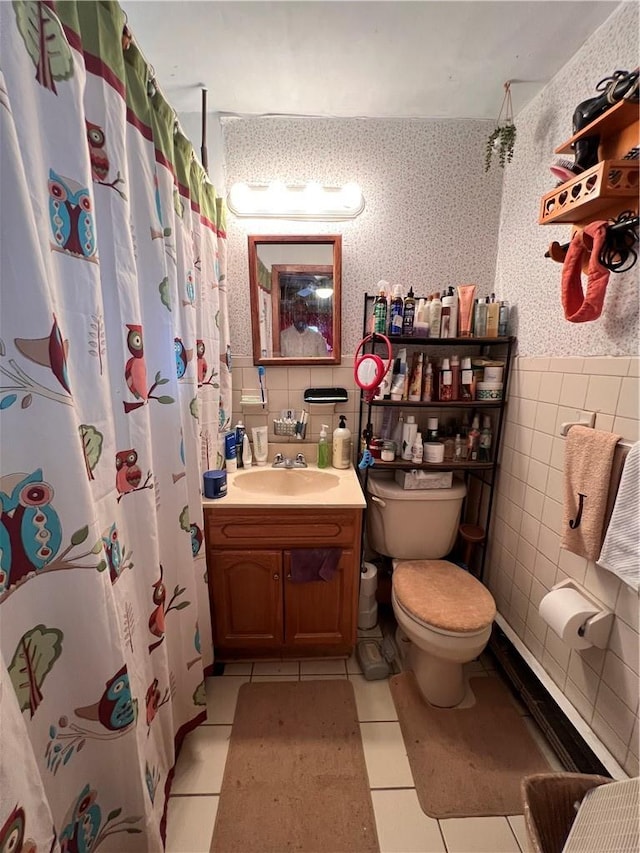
x: 286, y: 481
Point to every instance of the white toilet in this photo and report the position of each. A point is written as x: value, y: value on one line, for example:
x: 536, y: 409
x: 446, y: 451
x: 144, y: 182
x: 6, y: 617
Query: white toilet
x: 445, y: 612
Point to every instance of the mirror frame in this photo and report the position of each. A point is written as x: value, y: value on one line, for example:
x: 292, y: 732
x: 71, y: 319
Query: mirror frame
x: 334, y: 240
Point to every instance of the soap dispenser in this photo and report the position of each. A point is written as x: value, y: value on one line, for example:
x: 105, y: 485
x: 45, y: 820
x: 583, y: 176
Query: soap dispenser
x: 323, y: 448
x: 341, y: 445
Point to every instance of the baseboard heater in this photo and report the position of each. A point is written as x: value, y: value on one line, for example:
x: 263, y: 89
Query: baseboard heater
x: 570, y: 747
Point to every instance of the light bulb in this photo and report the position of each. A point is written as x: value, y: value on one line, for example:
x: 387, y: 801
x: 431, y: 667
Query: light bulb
x: 240, y: 197
x: 351, y: 196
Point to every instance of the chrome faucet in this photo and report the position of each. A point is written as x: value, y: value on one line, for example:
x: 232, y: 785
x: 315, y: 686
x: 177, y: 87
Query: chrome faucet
x: 280, y: 461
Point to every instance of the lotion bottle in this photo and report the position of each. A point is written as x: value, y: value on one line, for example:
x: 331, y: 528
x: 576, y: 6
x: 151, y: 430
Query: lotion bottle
x: 323, y: 448
x: 436, y: 315
x: 341, y: 444
x: 397, y: 305
x: 409, y: 432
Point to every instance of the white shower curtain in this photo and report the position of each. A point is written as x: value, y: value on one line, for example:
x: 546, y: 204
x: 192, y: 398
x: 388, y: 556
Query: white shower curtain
x: 114, y: 388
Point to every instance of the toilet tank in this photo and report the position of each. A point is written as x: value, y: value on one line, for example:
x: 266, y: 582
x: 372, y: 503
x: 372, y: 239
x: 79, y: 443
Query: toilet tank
x: 412, y: 524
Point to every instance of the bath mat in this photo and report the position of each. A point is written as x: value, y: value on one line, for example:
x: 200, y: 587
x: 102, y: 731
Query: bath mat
x: 467, y: 762
x: 295, y: 776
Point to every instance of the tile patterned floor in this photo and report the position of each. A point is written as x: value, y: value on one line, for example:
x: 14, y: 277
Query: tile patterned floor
x: 402, y: 825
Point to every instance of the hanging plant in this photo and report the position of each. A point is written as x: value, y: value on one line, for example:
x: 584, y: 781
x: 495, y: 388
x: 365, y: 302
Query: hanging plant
x: 502, y: 138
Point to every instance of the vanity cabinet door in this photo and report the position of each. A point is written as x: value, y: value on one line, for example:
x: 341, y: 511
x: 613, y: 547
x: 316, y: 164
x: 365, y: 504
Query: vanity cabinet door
x: 321, y: 613
x: 246, y: 598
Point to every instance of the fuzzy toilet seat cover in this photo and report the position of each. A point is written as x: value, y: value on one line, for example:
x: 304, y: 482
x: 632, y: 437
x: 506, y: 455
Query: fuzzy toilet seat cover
x: 580, y: 307
x: 443, y: 595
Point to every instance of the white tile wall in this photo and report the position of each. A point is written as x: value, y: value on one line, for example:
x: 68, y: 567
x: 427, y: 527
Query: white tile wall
x: 526, y: 559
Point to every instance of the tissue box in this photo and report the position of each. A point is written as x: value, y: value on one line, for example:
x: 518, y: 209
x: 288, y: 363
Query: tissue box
x: 424, y: 479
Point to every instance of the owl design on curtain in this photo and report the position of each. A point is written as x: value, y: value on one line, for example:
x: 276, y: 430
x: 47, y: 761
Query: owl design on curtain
x: 71, y: 218
x: 30, y: 529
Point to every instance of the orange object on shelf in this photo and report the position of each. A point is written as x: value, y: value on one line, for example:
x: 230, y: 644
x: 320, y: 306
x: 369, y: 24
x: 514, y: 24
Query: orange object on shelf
x: 591, y: 192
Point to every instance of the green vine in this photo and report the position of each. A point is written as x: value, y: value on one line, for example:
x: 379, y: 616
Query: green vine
x: 505, y: 137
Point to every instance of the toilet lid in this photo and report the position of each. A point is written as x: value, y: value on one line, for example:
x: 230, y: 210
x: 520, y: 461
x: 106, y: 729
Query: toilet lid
x: 440, y: 594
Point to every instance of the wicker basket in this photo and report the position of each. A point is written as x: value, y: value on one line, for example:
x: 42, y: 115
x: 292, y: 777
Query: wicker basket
x: 549, y: 801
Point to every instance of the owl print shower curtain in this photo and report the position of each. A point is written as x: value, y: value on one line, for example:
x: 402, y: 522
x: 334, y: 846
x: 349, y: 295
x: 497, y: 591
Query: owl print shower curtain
x: 114, y: 389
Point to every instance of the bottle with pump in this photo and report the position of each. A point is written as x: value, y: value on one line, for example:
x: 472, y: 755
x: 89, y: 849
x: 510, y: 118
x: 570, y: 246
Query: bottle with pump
x: 341, y: 444
x: 397, y: 305
x: 409, y: 313
x: 493, y: 315
x: 380, y: 309
x: 323, y: 448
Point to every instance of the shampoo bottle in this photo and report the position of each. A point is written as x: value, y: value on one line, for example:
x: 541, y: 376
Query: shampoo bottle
x: 445, y: 321
x: 397, y: 305
x: 450, y: 301
x: 503, y: 319
x: 493, y: 316
x: 427, y: 384
x: 409, y: 313
x: 480, y: 321
x: 240, y: 433
x: 341, y: 445
x: 436, y: 316
x: 380, y: 309
x: 446, y: 381
x: 323, y: 448
x: 415, y: 383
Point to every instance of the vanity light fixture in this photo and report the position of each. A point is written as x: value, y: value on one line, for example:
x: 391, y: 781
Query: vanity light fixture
x: 310, y: 201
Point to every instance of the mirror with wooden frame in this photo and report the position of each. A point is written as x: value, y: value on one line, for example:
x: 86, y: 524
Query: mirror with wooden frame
x: 295, y: 292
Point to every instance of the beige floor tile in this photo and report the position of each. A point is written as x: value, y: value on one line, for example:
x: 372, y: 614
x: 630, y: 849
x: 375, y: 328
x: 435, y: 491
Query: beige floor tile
x: 479, y: 835
x: 373, y: 699
x: 320, y: 677
x: 519, y: 830
x: 402, y: 825
x: 353, y: 667
x: 385, y: 756
x: 322, y: 667
x: 222, y: 696
x: 275, y: 678
x: 276, y: 667
x: 201, y: 763
x: 190, y: 822
x: 239, y: 668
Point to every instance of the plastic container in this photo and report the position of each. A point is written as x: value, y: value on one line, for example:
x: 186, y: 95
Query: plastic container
x: 433, y: 451
x: 341, y: 457
x: 388, y: 452
x: 493, y: 373
x: 214, y: 484
x: 323, y: 448
x: 489, y: 391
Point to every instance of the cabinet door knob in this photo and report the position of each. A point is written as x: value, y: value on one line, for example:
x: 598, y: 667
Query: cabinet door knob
x: 289, y: 576
x: 276, y: 577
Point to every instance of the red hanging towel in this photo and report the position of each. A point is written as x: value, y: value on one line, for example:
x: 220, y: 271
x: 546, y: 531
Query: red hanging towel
x: 580, y: 307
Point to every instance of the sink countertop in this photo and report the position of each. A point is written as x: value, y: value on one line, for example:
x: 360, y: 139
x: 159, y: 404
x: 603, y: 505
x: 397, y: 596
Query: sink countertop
x: 346, y: 494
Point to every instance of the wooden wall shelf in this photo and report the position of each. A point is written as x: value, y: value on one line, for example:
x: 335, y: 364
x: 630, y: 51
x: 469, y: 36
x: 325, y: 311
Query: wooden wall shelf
x: 595, y: 190
x: 620, y: 116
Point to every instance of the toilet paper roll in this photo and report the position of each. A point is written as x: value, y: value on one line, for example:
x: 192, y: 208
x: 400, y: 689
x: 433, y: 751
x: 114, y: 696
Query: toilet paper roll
x: 566, y: 611
x: 368, y: 579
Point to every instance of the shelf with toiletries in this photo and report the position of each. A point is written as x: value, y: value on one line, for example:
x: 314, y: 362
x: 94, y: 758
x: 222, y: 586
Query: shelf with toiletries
x: 440, y: 406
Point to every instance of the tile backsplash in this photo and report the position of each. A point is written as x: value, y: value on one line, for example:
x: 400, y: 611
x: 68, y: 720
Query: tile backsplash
x: 525, y: 558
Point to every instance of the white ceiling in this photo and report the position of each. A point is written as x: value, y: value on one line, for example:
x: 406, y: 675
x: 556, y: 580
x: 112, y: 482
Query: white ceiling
x: 343, y: 58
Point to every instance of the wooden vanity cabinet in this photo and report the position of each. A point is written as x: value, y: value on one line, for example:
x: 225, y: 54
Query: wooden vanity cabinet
x: 256, y: 609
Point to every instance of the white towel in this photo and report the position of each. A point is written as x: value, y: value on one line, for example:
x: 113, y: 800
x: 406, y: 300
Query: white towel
x: 621, y: 550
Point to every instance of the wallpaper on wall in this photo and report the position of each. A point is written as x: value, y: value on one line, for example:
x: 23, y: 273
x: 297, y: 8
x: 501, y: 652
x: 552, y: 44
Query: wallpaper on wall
x: 522, y: 270
x: 431, y: 215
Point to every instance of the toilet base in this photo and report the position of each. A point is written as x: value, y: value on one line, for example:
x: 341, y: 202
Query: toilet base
x: 441, y: 682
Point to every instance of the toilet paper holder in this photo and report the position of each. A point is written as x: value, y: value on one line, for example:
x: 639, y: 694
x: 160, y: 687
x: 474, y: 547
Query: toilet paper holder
x: 596, y: 628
